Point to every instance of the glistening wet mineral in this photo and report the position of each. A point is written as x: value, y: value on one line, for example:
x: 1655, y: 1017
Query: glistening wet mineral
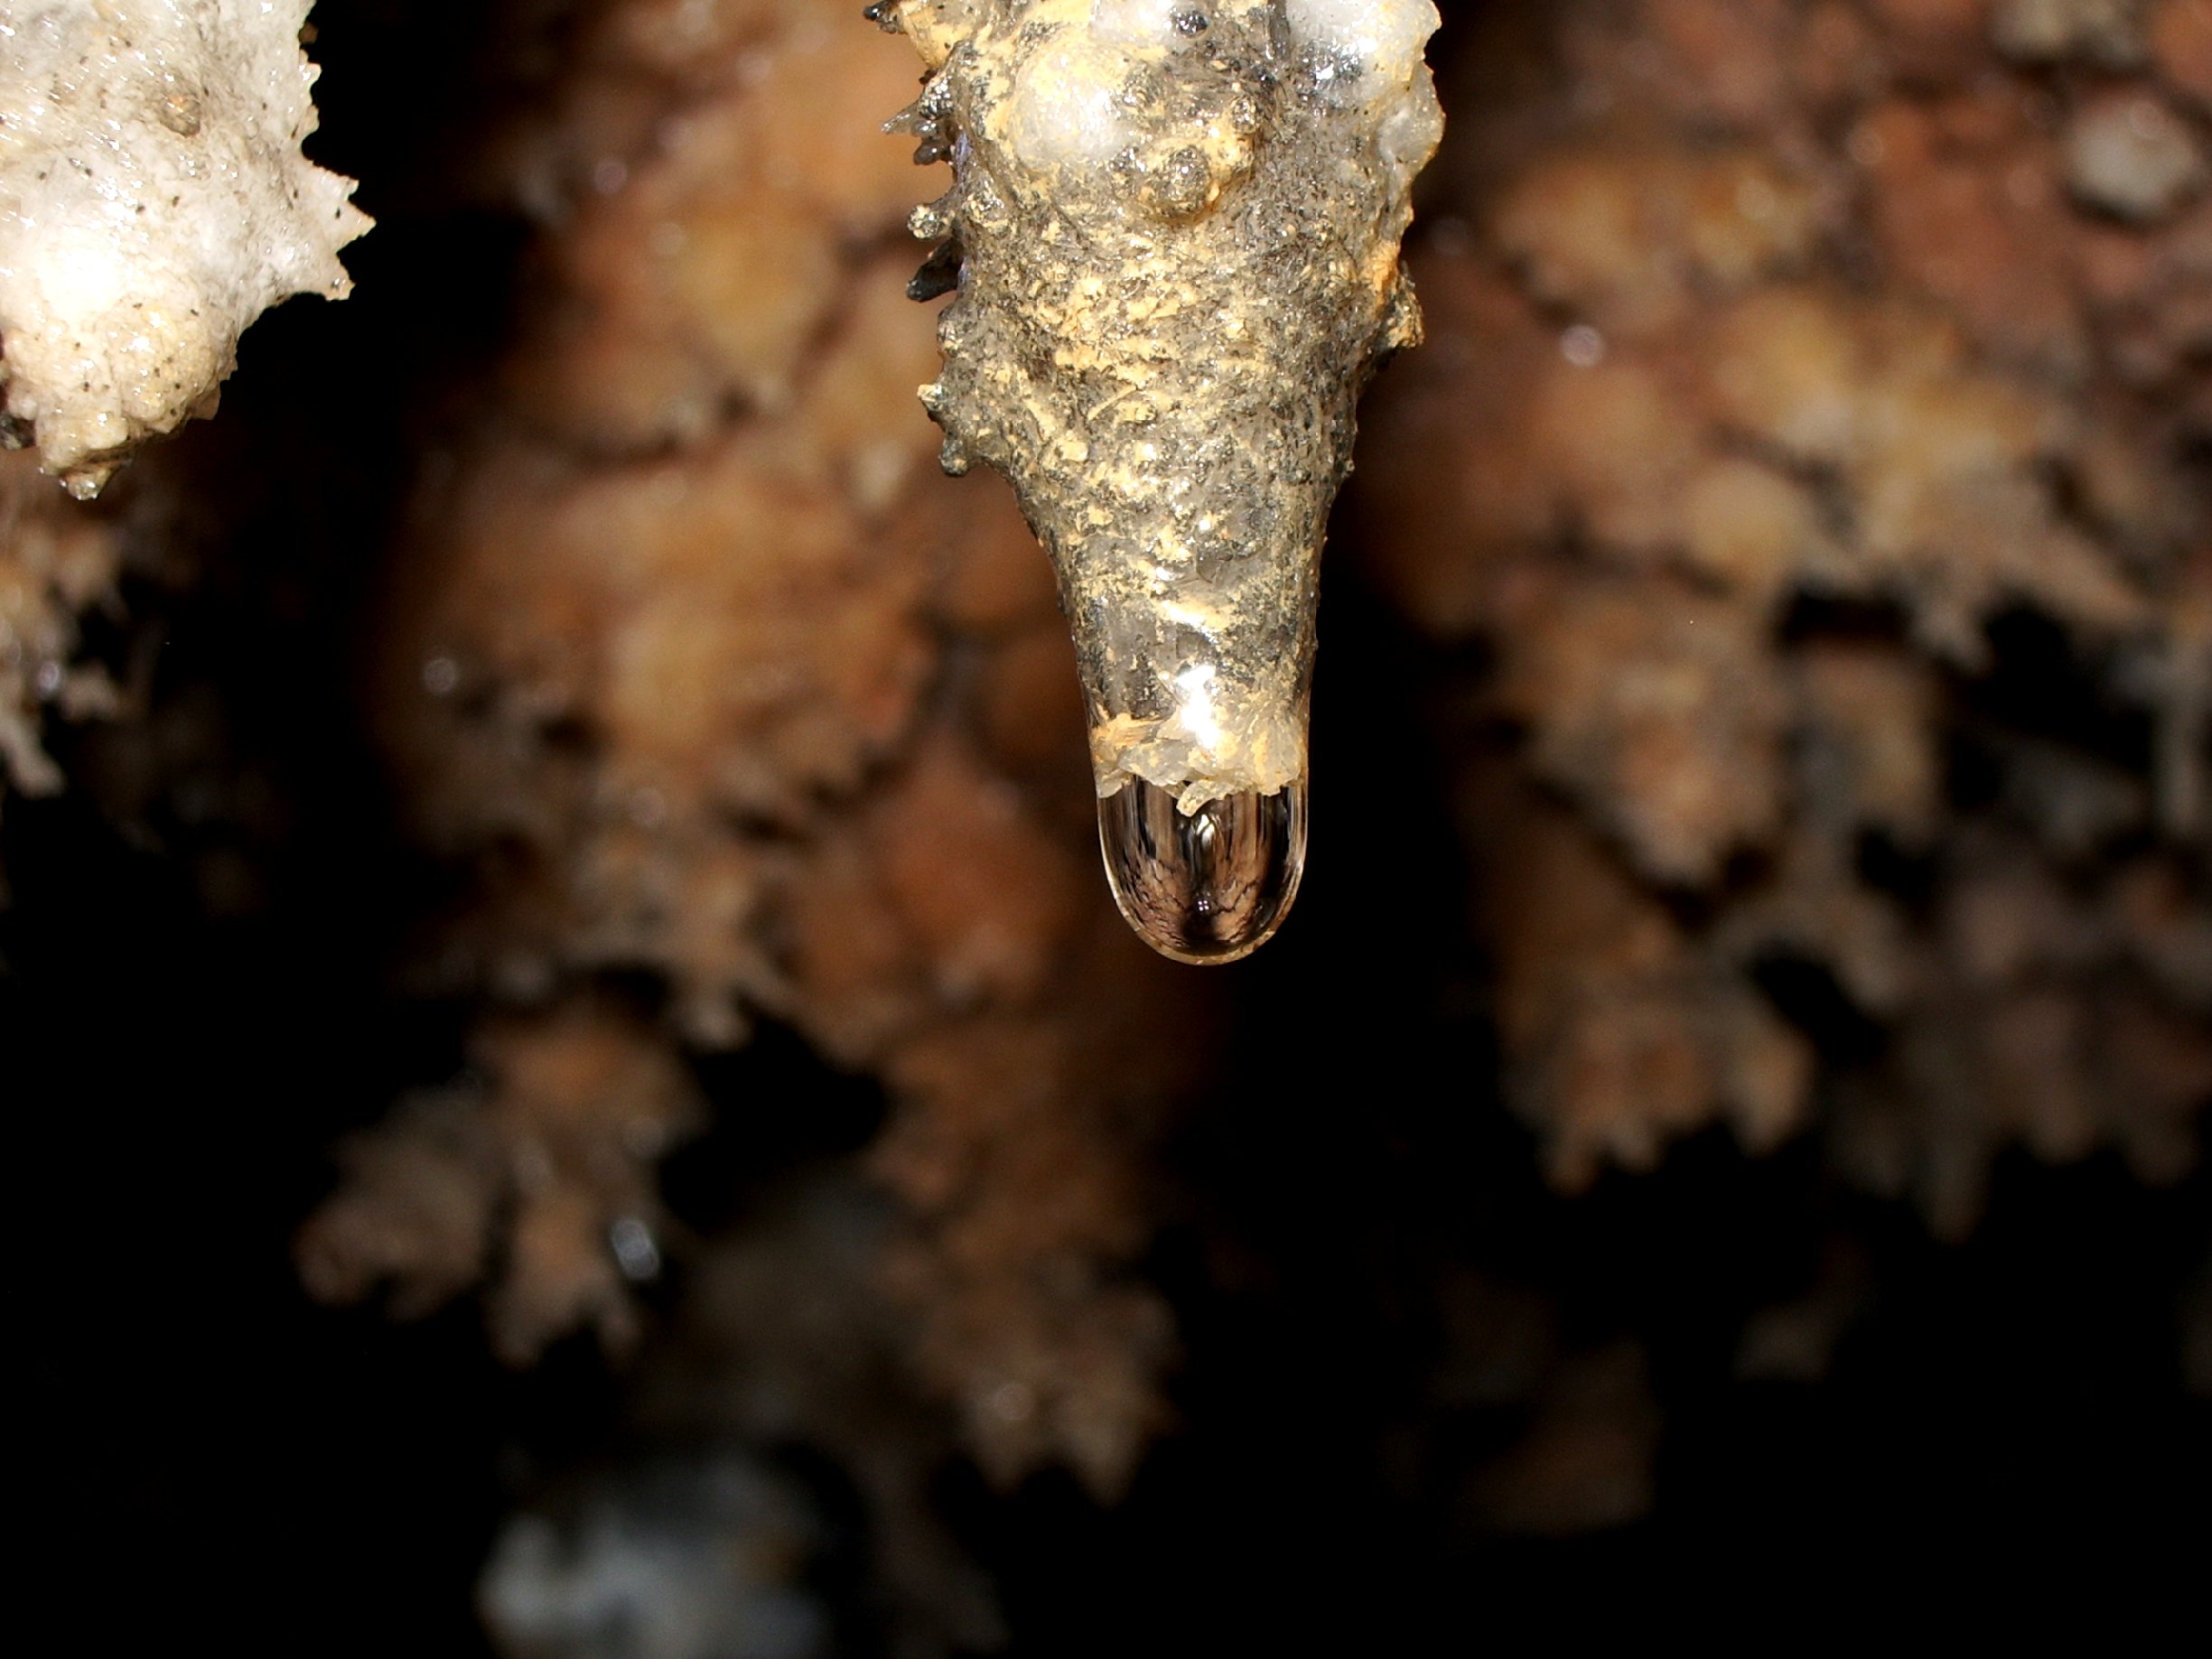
x: 1171, y: 242
x: 1208, y: 886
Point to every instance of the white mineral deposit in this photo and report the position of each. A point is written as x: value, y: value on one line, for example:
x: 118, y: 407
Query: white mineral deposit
x: 153, y: 201
x: 1173, y: 237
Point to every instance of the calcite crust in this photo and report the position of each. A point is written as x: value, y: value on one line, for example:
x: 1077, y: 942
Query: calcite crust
x: 153, y: 201
x: 1174, y: 232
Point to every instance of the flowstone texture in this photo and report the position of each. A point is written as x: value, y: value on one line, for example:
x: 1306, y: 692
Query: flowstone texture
x: 1174, y: 231
x: 153, y: 201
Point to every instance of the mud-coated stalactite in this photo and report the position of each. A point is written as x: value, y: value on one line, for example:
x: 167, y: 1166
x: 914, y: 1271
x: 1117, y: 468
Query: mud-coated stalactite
x: 554, y: 986
x: 1172, y: 237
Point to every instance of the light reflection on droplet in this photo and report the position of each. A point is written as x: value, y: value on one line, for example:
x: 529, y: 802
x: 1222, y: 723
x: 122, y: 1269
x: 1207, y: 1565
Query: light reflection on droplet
x: 1205, y: 886
x: 1583, y: 345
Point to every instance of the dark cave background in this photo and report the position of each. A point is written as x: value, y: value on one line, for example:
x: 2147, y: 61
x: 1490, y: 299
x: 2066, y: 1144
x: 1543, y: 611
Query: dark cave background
x: 199, y: 1002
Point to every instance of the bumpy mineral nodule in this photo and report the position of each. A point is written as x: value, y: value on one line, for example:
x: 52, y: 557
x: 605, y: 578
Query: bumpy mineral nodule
x: 153, y: 201
x: 1172, y: 237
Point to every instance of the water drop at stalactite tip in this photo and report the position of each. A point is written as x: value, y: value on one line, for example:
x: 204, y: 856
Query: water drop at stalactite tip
x: 1171, y: 241
x: 1209, y: 886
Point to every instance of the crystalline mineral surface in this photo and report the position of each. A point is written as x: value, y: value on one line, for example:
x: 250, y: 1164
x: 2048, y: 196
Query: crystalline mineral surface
x: 1175, y: 226
x: 153, y: 201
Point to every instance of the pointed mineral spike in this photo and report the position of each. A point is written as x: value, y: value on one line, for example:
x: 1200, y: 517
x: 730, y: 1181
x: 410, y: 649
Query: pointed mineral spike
x: 1178, y: 223
x: 939, y: 272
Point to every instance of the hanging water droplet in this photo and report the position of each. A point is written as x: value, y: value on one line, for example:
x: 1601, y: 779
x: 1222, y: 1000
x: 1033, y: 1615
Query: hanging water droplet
x: 1208, y: 886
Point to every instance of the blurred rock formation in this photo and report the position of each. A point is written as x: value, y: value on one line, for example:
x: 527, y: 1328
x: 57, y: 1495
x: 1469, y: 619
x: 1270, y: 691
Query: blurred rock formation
x: 700, y: 669
x: 1813, y: 427
x: 1786, y: 568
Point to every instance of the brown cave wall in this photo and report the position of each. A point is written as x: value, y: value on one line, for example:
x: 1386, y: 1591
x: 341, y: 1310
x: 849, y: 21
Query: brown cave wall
x: 1784, y: 578
x: 1799, y: 380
